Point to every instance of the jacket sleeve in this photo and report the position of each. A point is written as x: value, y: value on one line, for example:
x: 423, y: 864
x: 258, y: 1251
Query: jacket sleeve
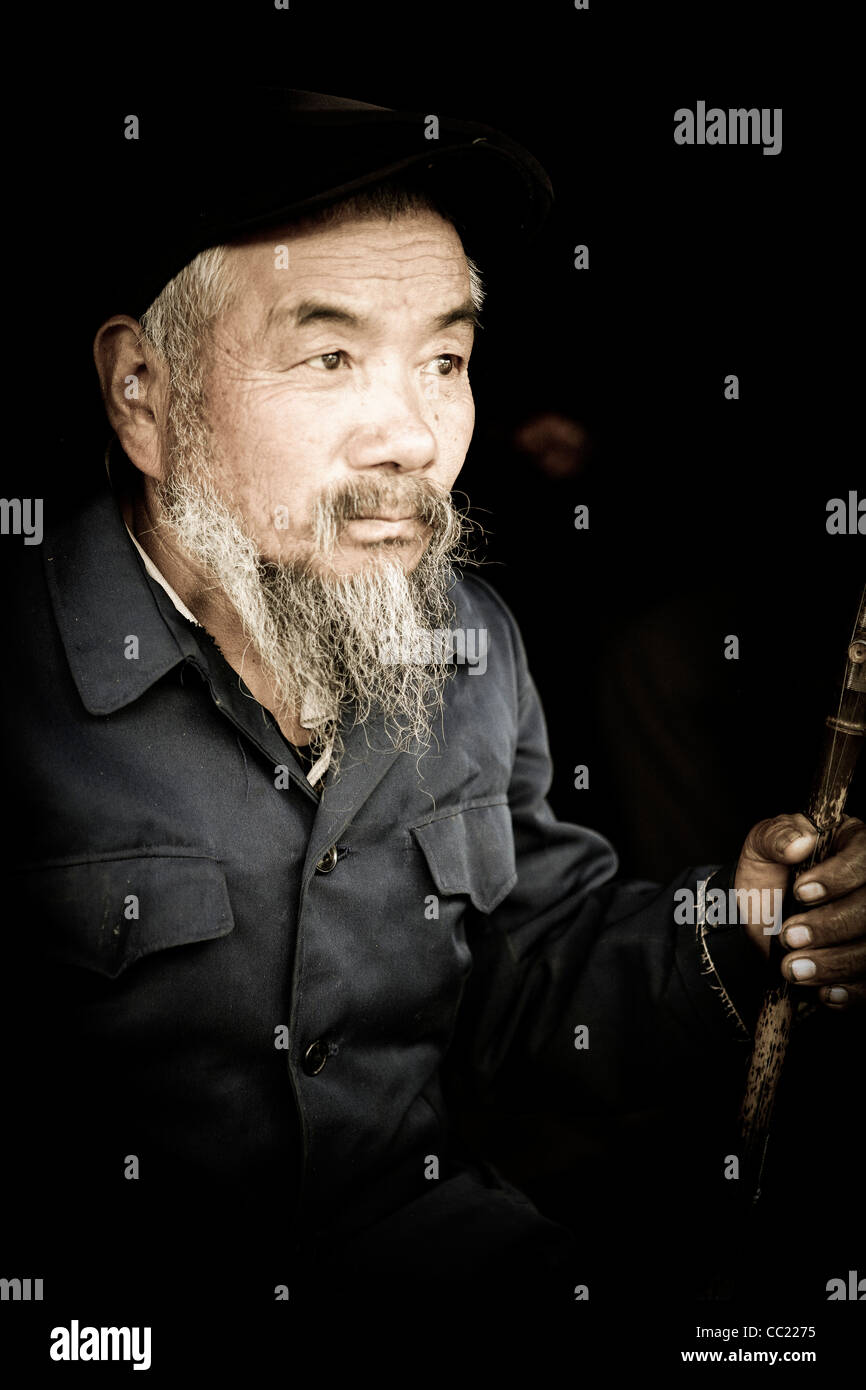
x: 590, y: 995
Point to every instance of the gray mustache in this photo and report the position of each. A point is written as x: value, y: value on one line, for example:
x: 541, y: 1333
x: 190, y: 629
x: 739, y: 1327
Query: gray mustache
x: 413, y: 497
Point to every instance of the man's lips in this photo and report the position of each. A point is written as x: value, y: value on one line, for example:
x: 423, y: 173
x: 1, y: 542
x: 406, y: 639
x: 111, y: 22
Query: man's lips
x: 369, y: 529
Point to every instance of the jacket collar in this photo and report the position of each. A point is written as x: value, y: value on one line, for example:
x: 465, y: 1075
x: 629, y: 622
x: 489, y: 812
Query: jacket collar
x: 102, y: 600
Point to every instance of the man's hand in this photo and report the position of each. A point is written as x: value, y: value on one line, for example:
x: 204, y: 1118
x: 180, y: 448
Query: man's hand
x: 828, y: 935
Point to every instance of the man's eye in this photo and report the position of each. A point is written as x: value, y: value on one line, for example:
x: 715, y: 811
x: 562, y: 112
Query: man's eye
x: 445, y: 364
x: 447, y: 360
x: 330, y: 360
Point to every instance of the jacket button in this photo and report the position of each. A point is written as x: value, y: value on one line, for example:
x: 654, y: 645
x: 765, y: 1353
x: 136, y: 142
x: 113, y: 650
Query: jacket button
x: 315, y: 1057
x: 327, y: 861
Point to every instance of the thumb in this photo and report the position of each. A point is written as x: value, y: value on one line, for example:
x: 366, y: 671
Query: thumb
x: 782, y: 840
x: 772, y: 848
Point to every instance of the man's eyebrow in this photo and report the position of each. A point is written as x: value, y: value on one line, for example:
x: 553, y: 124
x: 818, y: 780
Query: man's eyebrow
x: 312, y: 311
x: 462, y: 313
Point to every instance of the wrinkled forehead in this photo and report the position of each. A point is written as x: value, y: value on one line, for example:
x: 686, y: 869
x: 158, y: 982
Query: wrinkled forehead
x: 369, y: 263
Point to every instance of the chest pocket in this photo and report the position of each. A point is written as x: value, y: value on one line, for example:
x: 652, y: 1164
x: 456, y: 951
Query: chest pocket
x: 106, y: 914
x: 471, y: 851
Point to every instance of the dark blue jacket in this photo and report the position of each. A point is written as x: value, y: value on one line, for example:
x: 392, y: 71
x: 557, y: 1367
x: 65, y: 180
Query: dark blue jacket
x: 253, y: 991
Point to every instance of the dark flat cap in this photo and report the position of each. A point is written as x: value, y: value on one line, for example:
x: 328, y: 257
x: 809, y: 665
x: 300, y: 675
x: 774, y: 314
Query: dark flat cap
x: 194, y: 170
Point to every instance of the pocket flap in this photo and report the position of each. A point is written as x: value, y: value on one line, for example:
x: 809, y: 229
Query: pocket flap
x: 471, y: 851
x: 106, y: 914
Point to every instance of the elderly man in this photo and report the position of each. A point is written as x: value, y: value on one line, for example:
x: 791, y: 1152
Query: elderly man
x: 281, y: 777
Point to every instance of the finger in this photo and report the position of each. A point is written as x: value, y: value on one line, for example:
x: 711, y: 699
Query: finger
x: 834, y: 964
x: 831, y: 925
x: 842, y: 872
x: 780, y: 840
x: 838, y: 997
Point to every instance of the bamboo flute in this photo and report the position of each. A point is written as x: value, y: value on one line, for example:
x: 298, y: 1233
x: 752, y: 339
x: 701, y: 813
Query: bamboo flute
x: 843, y: 739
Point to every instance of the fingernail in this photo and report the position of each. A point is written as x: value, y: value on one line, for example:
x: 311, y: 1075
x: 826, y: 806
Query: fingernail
x: 838, y: 995
x: 803, y: 969
x: 799, y: 842
x: 798, y: 936
x: 810, y: 891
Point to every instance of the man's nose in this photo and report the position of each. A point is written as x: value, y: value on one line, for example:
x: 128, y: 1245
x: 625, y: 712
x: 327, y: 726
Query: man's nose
x: 396, y: 438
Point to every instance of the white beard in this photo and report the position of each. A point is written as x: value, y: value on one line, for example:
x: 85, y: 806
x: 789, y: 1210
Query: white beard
x: 327, y: 641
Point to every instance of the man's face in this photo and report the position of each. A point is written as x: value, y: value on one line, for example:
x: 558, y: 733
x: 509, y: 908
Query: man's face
x: 344, y: 358
x: 311, y: 482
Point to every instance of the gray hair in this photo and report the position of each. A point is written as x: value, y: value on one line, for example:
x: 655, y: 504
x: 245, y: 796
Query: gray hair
x: 176, y: 323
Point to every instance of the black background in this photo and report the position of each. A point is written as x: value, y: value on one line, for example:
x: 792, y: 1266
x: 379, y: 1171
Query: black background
x: 707, y: 516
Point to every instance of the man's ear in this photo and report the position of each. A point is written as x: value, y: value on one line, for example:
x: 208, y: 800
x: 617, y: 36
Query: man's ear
x: 135, y: 389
